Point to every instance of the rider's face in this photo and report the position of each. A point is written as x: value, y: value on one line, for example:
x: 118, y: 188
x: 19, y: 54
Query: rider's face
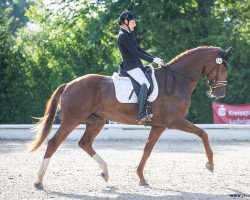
x: 132, y: 24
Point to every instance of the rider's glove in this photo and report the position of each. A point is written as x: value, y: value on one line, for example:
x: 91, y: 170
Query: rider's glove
x: 158, y: 61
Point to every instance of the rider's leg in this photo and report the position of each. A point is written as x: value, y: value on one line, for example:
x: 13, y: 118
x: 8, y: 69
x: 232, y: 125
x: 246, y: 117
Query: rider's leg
x: 142, y: 114
x: 139, y: 76
x: 142, y: 99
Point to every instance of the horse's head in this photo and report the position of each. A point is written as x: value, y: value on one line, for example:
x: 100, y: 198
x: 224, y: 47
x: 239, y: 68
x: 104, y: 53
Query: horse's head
x: 216, y: 73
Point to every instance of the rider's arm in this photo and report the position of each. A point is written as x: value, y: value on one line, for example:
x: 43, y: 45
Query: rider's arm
x: 141, y: 50
x: 132, y: 48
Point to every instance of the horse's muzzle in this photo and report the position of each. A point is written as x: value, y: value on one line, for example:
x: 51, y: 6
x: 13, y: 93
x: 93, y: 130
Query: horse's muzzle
x: 219, y: 92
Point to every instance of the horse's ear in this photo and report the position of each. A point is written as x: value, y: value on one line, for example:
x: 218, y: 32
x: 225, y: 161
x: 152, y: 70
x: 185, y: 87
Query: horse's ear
x: 227, y: 51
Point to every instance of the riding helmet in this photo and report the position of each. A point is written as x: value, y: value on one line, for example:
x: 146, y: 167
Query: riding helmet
x: 127, y: 15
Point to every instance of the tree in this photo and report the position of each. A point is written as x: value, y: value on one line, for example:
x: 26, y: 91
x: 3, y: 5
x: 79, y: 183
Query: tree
x: 74, y: 38
x: 13, y: 76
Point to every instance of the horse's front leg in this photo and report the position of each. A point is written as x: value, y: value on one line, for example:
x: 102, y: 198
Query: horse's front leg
x: 154, y: 135
x: 187, y: 126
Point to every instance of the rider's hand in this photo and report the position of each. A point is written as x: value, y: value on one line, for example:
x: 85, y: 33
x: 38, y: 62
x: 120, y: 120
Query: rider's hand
x: 158, y: 61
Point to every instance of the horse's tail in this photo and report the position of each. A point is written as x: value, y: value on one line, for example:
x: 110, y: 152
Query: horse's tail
x: 45, y: 123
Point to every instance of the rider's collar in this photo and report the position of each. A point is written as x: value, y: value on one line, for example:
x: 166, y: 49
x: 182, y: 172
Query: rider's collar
x: 124, y: 29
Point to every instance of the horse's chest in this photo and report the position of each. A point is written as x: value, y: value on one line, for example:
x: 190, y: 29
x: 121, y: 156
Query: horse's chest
x: 185, y: 106
x: 177, y: 107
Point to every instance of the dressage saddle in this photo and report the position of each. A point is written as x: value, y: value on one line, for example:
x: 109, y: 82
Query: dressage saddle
x: 148, y: 73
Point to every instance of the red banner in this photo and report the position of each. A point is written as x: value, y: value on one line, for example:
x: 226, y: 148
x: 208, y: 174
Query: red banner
x: 231, y: 114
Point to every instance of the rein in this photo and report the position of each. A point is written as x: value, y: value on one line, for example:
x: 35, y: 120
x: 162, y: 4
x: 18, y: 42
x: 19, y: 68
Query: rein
x: 213, y: 83
x: 173, y: 72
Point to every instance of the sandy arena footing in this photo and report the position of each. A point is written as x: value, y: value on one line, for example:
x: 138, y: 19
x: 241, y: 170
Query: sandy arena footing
x: 175, y: 170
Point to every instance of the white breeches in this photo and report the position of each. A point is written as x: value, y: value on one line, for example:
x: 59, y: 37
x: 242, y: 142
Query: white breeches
x: 139, y: 76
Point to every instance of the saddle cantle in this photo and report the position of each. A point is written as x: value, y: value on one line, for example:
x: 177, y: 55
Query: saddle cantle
x: 127, y: 89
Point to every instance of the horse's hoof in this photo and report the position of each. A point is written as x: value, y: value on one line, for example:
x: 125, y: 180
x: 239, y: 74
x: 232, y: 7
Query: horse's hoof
x: 143, y: 183
x: 105, y: 176
x: 38, y: 186
x: 210, y: 167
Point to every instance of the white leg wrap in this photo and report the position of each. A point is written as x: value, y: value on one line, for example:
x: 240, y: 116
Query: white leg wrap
x: 42, y: 169
x: 102, y: 164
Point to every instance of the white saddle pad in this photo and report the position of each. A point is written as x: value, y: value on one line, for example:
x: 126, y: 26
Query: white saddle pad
x: 124, y: 87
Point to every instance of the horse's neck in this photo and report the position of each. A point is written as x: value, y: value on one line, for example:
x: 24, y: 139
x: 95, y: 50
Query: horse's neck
x: 190, y: 65
x: 188, y: 71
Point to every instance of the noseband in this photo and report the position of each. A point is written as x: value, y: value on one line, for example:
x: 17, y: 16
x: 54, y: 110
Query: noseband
x: 219, y: 60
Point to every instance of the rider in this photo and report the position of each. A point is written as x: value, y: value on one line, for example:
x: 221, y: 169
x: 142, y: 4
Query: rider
x: 132, y: 55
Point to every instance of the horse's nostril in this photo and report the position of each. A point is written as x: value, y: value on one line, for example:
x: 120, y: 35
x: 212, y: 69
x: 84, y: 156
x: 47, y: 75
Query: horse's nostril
x: 219, y: 92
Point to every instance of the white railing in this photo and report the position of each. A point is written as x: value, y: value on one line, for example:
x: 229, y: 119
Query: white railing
x: 134, y: 132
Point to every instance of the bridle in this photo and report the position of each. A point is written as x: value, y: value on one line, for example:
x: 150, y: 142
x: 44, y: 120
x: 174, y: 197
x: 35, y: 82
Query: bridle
x: 219, y: 60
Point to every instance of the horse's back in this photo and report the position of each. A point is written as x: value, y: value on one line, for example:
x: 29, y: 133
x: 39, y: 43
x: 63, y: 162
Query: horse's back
x: 89, y: 81
x: 85, y: 89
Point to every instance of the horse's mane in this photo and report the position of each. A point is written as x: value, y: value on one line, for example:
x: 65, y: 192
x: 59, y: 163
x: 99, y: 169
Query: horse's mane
x: 190, y: 51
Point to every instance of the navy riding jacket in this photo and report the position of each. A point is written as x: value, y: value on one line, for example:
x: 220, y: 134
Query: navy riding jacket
x: 131, y: 52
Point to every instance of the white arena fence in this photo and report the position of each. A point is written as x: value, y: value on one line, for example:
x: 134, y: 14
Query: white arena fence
x: 133, y: 132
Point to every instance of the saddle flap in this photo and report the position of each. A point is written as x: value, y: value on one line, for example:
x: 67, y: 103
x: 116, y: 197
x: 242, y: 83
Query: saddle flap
x: 124, y: 86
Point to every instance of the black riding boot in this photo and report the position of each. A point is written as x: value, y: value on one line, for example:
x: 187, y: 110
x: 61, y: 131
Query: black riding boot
x: 144, y: 114
x: 148, y: 108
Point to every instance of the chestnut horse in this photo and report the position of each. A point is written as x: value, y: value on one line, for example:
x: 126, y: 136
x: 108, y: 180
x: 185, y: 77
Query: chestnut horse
x: 91, y: 99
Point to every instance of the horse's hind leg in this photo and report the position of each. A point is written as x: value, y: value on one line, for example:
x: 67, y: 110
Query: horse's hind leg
x: 93, y: 127
x: 53, y: 144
